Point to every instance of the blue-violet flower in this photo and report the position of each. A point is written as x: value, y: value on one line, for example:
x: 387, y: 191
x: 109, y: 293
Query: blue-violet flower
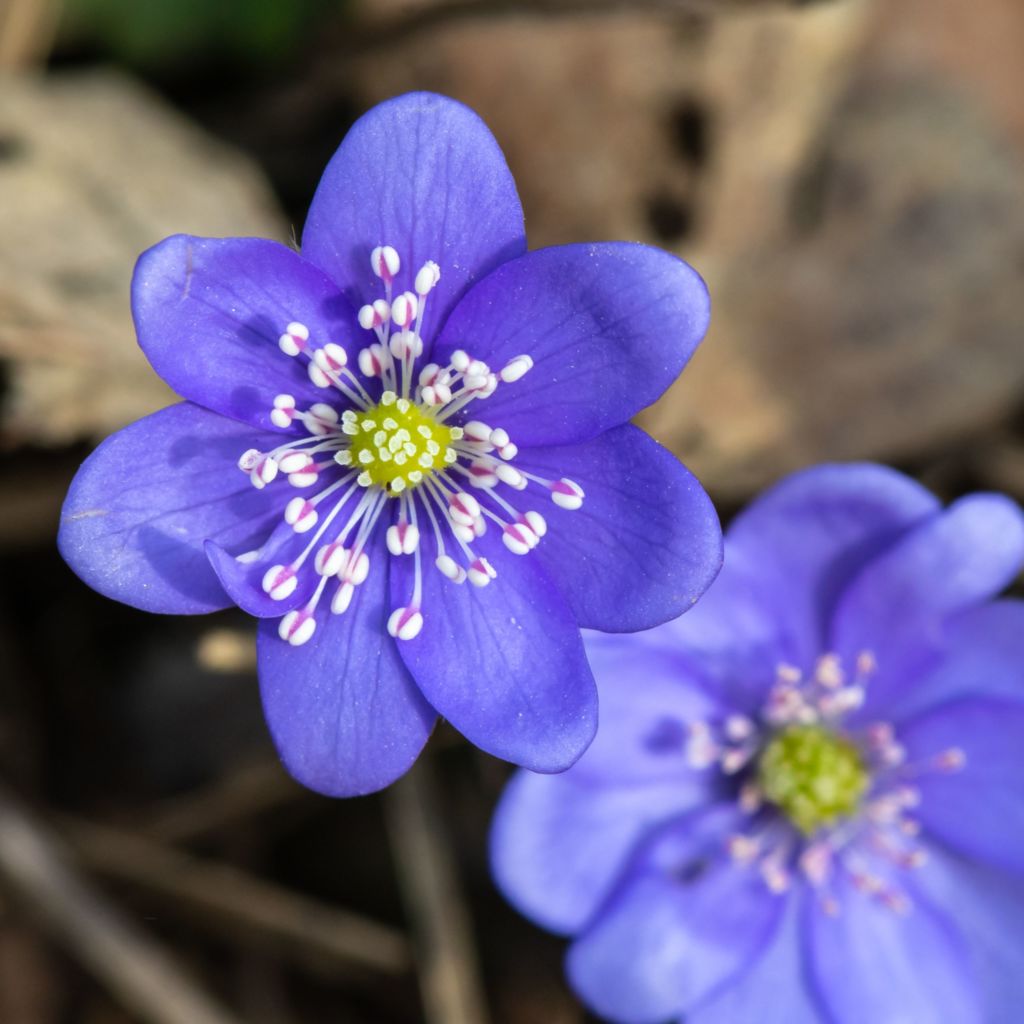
x: 806, y: 799
x: 330, y: 471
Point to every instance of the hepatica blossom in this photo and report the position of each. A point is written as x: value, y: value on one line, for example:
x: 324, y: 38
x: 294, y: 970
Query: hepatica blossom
x: 407, y: 450
x: 806, y: 800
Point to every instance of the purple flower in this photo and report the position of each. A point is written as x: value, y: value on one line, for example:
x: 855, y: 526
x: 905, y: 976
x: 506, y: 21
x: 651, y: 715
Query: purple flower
x: 370, y: 434
x: 806, y: 800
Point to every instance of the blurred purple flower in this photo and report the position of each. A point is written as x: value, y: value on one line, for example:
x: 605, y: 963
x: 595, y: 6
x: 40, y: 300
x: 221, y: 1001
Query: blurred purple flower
x: 806, y: 799
x: 328, y: 472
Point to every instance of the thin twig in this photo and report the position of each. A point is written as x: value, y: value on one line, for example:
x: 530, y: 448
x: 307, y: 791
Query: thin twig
x: 243, y: 793
x: 137, y: 971
x: 233, y: 903
x: 449, y: 974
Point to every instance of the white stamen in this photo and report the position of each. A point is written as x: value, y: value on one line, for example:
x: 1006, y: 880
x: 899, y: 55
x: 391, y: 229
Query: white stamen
x: 297, y: 627
x: 385, y: 262
x: 279, y: 582
x: 567, y: 494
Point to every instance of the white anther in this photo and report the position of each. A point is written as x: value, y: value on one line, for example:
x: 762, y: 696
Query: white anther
x: 736, y: 758
x: 816, y: 863
x: 385, y: 262
x: 406, y: 344
x: 463, y: 508
x: 331, y: 559
x: 743, y: 849
x: 499, y: 437
x: 701, y: 749
x: 460, y: 360
x: 300, y: 515
x: 305, y: 478
x: 775, y: 875
x: 402, y: 538
x: 368, y: 318
x: 249, y: 460
x: 294, y: 462
x: 518, y: 539
x: 739, y: 727
x: 450, y: 568
x: 508, y: 452
x: 427, y: 277
x: 481, y: 474
x: 357, y: 569
x: 475, y: 382
x: 477, y: 432
x: 429, y: 374
x: 264, y: 472
x: 324, y: 413
x: 342, y: 598
x: 404, y: 308
x: 371, y: 361
x: 480, y: 573
x: 515, y: 368
x: 317, y: 376
x: 463, y: 533
x: 297, y: 627
x: 436, y: 394
x: 331, y: 358
x: 536, y: 522
x: 279, y: 582
x: 567, y: 494
x: 294, y: 339
x: 510, y: 475
x: 283, y: 412
x: 405, y: 623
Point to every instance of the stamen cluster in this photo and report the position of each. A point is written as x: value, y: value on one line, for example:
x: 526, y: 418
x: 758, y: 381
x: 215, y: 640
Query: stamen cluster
x: 394, y: 437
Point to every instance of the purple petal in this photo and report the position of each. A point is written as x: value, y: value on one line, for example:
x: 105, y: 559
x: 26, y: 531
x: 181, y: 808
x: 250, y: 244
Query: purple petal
x: 646, y: 542
x: 805, y: 539
x: 731, y: 639
x: 978, y: 810
x: 242, y: 578
x: 141, y: 506
x: 559, y: 843
x: 421, y: 173
x: 209, y: 312
x: 344, y: 713
x: 609, y: 327
x: 648, y: 698
x: 503, y: 663
x: 870, y: 963
x: 989, y: 908
x: 683, y: 924
x: 899, y: 604
x: 982, y: 656
x: 774, y: 989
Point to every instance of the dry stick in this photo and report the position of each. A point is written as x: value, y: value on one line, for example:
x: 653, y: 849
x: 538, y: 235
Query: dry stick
x: 444, y: 948
x: 240, y: 795
x: 138, y: 972
x: 235, y: 904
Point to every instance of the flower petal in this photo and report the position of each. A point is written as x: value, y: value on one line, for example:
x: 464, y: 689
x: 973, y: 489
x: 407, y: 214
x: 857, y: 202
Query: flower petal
x: 209, y: 312
x: 609, y: 327
x: 141, y: 506
x: 870, y: 963
x: 503, y: 663
x: 899, y: 604
x: 344, y: 713
x: 805, y: 538
x: 774, y: 990
x: 989, y: 907
x: 560, y: 843
x: 982, y: 655
x: 648, y: 698
x: 978, y: 810
x: 646, y: 542
x: 683, y: 923
x: 423, y: 174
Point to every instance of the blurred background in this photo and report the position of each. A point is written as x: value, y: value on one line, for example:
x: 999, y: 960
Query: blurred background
x: 847, y: 175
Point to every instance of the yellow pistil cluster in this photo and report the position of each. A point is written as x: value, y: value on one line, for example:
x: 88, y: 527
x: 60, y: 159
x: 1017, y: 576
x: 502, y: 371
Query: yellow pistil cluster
x: 812, y: 775
x: 396, y: 444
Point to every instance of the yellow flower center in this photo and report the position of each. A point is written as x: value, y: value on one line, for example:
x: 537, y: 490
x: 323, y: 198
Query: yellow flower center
x: 814, y: 776
x: 397, y: 444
